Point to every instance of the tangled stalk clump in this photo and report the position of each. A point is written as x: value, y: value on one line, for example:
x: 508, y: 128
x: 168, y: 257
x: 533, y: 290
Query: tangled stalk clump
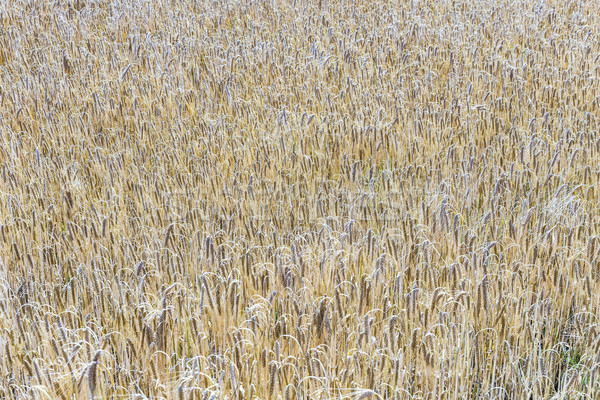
x: 292, y: 199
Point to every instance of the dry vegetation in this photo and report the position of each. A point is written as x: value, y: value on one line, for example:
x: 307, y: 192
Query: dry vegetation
x: 291, y: 199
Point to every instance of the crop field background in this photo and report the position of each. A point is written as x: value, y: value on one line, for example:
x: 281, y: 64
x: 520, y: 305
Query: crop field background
x: 299, y: 199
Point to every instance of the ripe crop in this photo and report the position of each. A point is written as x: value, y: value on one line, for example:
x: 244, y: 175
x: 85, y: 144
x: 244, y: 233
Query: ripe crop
x: 299, y: 200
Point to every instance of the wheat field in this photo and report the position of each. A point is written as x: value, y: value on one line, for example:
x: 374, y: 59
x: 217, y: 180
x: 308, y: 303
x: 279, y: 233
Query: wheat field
x: 299, y: 199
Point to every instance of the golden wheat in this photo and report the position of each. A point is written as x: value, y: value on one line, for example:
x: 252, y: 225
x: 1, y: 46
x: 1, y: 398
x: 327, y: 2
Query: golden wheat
x: 293, y: 199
